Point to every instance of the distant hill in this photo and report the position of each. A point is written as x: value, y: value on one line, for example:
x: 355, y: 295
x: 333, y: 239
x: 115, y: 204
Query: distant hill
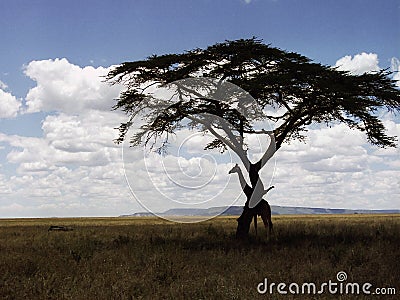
x: 276, y: 210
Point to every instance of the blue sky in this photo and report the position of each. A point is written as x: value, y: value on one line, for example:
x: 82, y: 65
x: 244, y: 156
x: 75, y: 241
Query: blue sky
x: 108, y: 32
x: 104, y: 33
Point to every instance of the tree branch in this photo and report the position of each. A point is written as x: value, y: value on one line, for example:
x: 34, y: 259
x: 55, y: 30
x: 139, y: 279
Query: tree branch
x: 270, y: 150
x: 262, y: 131
x: 231, y: 143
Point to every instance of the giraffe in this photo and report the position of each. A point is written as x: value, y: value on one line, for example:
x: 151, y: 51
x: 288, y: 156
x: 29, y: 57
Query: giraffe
x: 262, y: 208
x: 245, y: 187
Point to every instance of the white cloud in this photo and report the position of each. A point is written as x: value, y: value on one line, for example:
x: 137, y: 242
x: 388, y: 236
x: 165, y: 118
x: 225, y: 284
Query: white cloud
x: 333, y: 169
x: 65, y: 87
x: 359, y: 64
x: 9, y: 104
x: 56, y: 182
x: 336, y: 168
x: 67, y: 140
x: 74, y: 168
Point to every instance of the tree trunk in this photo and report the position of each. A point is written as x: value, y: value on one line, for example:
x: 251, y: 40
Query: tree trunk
x: 244, y: 221
x: 247, y: 215
x: 262, y: 209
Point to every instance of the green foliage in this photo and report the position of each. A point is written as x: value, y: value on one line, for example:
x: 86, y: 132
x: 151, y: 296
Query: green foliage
x: 135, y: 258
x: 308, y: 92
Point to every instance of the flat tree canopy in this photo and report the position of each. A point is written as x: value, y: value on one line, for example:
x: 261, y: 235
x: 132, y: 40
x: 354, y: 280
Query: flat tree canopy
x: 302, y: 91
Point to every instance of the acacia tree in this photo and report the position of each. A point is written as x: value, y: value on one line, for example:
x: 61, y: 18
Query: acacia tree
x: 301, y: 92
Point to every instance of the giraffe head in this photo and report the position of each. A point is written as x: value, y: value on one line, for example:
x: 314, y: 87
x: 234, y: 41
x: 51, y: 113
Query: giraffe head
x: 235, y: 169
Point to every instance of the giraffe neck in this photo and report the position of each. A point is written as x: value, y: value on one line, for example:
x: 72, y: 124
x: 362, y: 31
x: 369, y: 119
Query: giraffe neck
x: 243, y: 182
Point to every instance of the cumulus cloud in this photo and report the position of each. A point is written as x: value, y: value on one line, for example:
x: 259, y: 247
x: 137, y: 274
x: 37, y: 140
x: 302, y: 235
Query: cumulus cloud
x: 65, y: 87
x: 74, y: 168
x: 55, y: 181
x: 9, y: 104
x: 359, y: 64
x: 67, y: 140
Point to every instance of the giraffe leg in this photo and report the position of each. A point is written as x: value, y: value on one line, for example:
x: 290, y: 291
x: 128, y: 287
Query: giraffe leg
x: 271, y: 225
x: 268, y: 208
x: 265, y: 212
x: 255, y: 223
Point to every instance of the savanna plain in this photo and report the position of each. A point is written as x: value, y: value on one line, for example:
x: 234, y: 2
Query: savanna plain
x: 150, y: 258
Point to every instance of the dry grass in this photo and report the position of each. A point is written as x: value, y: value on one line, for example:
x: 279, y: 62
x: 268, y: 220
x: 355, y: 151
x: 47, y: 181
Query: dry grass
x: 148, y: 258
